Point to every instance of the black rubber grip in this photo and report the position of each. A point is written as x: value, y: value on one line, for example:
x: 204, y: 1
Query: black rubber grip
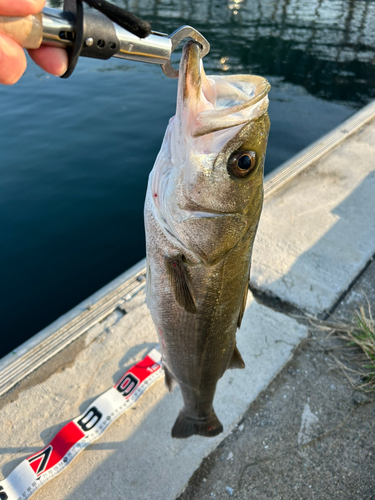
x: 102, y: 35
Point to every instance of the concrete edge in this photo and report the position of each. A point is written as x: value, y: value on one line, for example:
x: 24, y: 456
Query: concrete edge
x: 55, y: 337
x: 292, y: 167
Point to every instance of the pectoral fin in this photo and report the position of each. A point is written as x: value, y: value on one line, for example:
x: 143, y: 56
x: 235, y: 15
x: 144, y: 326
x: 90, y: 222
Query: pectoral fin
x: 236, y: 360
x: 180, y: 282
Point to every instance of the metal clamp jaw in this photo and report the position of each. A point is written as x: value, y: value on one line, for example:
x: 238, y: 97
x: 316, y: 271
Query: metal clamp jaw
x: 176, y: 38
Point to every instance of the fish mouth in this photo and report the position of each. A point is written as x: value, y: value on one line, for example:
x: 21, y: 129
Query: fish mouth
x: 208, y: 104
x: 194, y: 90
x: 191, y: 71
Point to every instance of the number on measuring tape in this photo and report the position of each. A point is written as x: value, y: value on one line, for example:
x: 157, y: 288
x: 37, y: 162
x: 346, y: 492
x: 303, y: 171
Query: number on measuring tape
x: 90, y: 419
x: 43, y: 456
x: 128, y: 385
x: 3, y: 495
x: 75, y: 435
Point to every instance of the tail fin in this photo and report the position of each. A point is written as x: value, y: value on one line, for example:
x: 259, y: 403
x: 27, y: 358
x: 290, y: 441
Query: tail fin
x: 186, y: 426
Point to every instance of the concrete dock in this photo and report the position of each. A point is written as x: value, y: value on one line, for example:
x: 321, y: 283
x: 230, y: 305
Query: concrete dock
x: 309, y: 435
x: 293, y: 427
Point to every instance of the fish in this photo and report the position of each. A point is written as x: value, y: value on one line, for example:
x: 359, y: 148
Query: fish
x: 202, y: 208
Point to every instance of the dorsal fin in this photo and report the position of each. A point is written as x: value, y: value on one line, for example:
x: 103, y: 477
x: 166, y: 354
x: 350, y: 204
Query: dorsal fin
x: 243, y: 305
x: 180, y: 282
x: 236, y: 360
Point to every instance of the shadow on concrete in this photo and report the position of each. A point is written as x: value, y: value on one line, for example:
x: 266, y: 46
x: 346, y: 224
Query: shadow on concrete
x: 338, y: 248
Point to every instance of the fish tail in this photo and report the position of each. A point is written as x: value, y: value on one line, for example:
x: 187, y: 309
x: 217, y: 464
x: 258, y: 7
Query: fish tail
x: 186, y: 426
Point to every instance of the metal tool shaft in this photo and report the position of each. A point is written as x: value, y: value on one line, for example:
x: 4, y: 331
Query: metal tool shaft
x: 59, y: 28
x: 154, y: 49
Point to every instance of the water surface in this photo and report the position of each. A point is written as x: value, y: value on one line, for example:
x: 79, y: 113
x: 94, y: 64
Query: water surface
x: 75, y: 154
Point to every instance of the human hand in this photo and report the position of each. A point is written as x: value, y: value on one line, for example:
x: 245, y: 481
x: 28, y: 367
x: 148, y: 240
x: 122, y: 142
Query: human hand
x: 12, y: 56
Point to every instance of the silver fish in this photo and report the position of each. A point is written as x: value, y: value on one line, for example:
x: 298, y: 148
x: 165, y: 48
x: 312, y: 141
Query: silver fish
x: 202, y: 209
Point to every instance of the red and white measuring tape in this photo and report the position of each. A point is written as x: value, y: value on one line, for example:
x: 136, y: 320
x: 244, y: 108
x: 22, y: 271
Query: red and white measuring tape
x: 36, y: 470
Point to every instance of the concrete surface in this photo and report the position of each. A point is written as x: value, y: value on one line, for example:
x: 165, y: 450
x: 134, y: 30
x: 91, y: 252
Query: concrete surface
x: 317, y: 232
x: 31, y: 417
x: 310, y: 435
x: 316, y: 237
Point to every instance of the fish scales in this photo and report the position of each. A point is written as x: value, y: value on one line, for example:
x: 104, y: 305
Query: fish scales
x: 202, y: 209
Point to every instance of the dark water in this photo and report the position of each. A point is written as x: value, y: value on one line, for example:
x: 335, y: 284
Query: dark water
x: 75, y: 154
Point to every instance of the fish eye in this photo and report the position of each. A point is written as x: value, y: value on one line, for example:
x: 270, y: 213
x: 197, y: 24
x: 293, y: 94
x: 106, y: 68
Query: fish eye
x: 242, y: 164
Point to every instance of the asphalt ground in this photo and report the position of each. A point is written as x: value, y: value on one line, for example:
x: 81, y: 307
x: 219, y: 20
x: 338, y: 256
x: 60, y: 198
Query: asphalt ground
x: 309, y: 435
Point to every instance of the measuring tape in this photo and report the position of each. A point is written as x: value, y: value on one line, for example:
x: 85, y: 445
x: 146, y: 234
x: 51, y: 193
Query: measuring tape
x: 38, y: 469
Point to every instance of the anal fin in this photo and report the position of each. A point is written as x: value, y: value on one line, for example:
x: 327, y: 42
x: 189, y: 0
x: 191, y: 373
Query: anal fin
x: 236, y: 360
x: 180, y: 282
x: 243, y: 304
x: 168, y: 379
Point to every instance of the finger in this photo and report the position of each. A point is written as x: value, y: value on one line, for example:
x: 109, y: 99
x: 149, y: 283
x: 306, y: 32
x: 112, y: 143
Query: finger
x: 20, y: 7
x: 52, y: 59
x: 12, y: 61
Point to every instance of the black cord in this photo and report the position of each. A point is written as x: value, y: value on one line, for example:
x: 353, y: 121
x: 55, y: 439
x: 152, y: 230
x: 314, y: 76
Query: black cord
x: 122, y: 17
